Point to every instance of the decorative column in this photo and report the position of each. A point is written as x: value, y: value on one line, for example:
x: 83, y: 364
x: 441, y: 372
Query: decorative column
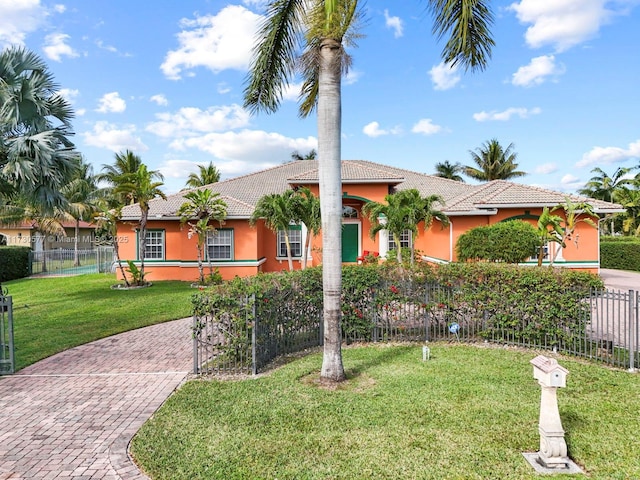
x: 553, y: 448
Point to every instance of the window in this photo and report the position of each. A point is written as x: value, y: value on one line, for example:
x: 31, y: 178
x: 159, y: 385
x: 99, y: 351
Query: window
x: 545, y: 256
x: 295, y: 241
x: 349, y: 212
x: 220, y: 244
x: 405, y: 240
x: 154, y: 249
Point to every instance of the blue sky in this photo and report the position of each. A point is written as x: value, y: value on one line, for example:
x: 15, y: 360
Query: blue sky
x: 165, y: 79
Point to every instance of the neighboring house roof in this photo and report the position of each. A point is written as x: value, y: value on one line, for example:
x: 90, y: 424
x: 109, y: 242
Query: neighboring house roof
x: 33, y: 225
x: 241, y: 194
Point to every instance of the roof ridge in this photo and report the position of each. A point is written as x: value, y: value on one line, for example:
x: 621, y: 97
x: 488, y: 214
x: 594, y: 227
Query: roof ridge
x: 457, y: 182
x: 376, y: 167
x: 241, y: 202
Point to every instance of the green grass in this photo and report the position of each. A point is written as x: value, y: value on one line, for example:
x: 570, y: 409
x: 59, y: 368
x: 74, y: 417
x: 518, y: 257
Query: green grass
x: 467, y: 413
x: 54, y: 314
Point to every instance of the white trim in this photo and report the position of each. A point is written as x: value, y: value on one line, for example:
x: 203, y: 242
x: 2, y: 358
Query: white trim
x: 191, y: 264
x: 427, y: 258
x: 471, y: 213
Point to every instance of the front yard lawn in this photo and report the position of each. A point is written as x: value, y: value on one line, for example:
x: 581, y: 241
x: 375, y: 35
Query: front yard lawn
x: 467, y: 413
x: 54, y: 314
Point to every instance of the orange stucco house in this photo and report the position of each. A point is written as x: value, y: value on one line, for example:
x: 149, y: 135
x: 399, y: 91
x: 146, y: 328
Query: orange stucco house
x: 239, y: 249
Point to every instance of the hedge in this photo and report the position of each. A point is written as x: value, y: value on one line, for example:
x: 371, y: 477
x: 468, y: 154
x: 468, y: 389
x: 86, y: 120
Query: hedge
x: 14, y: 262
x: 620, y: 254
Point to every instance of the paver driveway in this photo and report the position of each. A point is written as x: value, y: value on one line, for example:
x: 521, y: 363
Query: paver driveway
x: 73, y: 414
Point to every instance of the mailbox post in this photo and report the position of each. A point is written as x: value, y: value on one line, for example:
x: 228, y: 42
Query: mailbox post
x: 553, y: 448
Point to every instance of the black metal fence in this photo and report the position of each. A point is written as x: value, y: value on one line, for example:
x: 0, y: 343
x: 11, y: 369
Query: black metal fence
x: 7, y: 359
x: 243, y: 336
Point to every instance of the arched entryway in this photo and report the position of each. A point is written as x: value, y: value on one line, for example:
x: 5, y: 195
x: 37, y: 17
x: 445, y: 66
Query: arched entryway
x: 351, y: 230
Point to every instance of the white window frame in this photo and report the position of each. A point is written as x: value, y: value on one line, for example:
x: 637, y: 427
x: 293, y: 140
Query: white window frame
x: 221, y: 238
x: 296, y: 240
x: 405, y: 240
x: 152, y: 243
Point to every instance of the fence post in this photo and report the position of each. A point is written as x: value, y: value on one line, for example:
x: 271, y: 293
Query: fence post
x: 254, y: 337
x: 7, y: 356
x: 195, y: 345
x: 633, y: 327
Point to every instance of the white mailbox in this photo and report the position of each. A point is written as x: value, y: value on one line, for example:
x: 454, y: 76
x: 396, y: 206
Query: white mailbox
x: 548, y: 372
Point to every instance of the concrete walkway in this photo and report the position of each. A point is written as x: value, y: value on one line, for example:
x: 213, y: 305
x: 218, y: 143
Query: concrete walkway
x: 620, y: 279
x: 73, y: 415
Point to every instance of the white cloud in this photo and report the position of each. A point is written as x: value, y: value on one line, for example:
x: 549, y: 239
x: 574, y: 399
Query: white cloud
x: 178, y: 168
x: 426, y: 127
x: 69, y: 94
x: 18, y: 19
x: 111, y: 102
x: 608, y: 155
x: 444, y: 76
x: 352, y: 77
x: 394, y: 23
x: 192, y: 121
x: 159, y: 99
x: 217, y: 42
x: 223, y: 88
x: 59, y: 8
x: 561, y: 23
x: 255, y: 147
x: 537, y: 71
x: 373, y: 130
x: 546, y: 168
x: 114, y: 138
x: 571, y: 182
x: 56, y: 47
x: 506, y: 114
x: 292, y: 92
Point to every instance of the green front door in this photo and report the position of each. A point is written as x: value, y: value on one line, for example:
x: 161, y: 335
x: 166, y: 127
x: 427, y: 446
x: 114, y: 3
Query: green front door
x: 349, y: 242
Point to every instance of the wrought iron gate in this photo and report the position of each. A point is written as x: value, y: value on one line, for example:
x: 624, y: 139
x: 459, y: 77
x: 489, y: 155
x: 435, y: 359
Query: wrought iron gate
x: 7, y: 359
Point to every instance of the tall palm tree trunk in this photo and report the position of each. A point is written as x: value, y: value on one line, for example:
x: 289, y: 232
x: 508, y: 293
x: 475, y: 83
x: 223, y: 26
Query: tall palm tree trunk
x: 288, y: 244
x: 329, y: 152
x: 200, y: 258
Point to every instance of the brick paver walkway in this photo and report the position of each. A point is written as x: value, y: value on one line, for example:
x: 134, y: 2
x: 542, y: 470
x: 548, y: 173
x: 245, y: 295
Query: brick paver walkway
x: 73, y: 415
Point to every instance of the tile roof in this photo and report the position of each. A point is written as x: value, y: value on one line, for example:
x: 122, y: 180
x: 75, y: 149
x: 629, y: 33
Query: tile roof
x: 242, y: 193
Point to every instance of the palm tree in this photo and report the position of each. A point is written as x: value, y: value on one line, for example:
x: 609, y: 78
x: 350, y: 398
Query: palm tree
x: 629, y: 198
x: 422, y: 210
x: 278, y: 210
x: 125, y: 165
x: 604, y: 187
x: 107, y: 219
x: 574, y: 213
x: 449, y: 170
x: 307, y: 211
x: 402, y: 211
x: 36, y: 156
x: 297, y: 156
x: 494, y: 163
x: 21, y: 209
x: 198, y: 211
x: 208, y: 174
x: 309, y: 37
x: 140, y: 188
x: 549, y: 230
x: 80, y: 194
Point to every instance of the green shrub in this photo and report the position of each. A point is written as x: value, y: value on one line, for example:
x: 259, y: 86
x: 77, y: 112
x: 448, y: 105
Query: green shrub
x: 510, y: 242
x: 620, y: 254
x: 523, y: 304
x: 14, y: 263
